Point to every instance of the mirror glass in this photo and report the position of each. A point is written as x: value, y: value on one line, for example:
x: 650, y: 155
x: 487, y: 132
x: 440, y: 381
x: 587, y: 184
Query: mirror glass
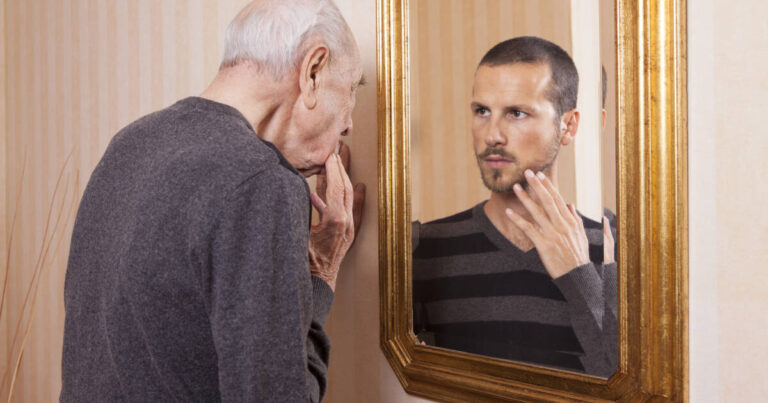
x: 480, y: 284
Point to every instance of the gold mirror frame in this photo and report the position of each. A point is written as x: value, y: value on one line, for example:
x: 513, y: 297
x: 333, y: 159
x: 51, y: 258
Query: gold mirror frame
x: 652, y: 207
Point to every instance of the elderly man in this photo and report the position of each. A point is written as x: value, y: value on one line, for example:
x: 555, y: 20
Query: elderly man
x: 194, y: 274
x: 521, y: 276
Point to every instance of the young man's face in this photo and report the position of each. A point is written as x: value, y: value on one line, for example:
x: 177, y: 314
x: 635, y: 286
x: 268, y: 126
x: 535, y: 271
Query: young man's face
x: 514, y: 125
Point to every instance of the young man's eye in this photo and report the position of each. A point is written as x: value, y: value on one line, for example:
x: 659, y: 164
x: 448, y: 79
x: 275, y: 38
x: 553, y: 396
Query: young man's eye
x: 482, y: 112
x: 516, y: 114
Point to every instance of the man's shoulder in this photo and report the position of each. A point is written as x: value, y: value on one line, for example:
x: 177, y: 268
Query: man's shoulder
x: 451, y: 219
x: 457, y: 234
x: 457, y: 223
x: 201, y: 145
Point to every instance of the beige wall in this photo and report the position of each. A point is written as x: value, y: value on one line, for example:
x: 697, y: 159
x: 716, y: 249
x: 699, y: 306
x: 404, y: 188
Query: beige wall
x: 3, y: 245
x: 78, y: 71
x: 728, y: 50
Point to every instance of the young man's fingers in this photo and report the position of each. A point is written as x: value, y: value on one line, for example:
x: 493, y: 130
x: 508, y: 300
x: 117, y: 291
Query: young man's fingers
x: 536, y: 212
x: 546, y: 201
x: 608, y: 242
x: 607, y: 229
x: 579, y: 227
x: 575, y: 214
x: 562, y: 206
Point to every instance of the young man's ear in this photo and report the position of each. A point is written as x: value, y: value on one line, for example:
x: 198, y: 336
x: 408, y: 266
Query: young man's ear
x: 309, y: 73
x: 569, y: 125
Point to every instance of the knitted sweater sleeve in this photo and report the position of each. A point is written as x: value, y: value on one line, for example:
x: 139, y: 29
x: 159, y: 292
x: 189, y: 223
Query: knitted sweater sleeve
x: 591, y: 294
x: 267, y: 312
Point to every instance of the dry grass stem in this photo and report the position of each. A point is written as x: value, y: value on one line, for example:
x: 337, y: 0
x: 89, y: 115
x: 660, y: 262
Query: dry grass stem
x: 45, y: 259
x: 10, y: 236
x: 43, y: 249
x: 46, y: 273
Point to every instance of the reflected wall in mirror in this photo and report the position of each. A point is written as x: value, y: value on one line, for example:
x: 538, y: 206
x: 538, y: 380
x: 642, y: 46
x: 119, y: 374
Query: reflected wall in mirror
x: 479, y: 117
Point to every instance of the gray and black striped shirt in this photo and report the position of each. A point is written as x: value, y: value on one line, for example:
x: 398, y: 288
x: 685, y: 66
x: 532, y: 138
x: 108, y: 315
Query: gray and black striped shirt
x: 475, y: 291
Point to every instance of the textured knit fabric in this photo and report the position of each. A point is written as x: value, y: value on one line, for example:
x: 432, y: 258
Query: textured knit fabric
x: 475, y: 291
x: 188, y: 275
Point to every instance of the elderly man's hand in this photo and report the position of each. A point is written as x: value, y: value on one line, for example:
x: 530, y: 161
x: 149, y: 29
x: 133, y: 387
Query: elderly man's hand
x: 341, y: 209
x: 557, y: 232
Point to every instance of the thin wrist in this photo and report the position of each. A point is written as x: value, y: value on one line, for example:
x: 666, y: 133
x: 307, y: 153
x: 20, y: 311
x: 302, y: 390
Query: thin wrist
x: 561, y: 273
x: 321, y: 269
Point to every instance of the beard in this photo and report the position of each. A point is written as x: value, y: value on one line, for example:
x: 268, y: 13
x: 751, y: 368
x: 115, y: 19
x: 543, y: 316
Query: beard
x: 504, y: 180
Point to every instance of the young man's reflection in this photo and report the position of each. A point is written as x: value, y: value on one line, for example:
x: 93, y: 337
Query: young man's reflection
x: 523, y: 275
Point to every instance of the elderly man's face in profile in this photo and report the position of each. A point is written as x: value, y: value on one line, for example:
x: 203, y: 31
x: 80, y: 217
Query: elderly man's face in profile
x: 514, y: 125
x: 323, y: 126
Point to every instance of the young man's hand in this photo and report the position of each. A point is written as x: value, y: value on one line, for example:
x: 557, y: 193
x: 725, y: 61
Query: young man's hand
x: 557, y: 231
x: 608, y: 243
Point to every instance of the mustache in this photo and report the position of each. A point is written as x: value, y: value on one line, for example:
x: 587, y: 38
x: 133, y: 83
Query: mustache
x: 496, y: 151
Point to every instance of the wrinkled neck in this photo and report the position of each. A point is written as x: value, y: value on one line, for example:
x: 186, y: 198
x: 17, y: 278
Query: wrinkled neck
x: 266, y: 102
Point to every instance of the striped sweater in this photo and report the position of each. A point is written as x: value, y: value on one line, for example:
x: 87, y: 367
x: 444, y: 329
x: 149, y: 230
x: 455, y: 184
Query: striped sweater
x: 475, y: 291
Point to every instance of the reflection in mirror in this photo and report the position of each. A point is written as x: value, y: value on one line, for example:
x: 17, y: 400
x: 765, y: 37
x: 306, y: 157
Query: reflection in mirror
x: 503, y: 263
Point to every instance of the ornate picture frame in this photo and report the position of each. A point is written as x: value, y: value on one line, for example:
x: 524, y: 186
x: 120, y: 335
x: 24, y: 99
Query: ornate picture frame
x: 653, y: 222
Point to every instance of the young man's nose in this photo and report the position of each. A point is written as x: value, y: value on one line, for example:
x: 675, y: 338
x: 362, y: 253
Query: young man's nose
x: 494, y: 135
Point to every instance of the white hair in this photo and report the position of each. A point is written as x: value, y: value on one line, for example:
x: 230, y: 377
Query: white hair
x: 274, y: 33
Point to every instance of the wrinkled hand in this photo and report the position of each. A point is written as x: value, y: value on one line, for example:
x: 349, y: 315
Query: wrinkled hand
x: 340, y: 209
x: 359, y: 188
x: 557, y: 232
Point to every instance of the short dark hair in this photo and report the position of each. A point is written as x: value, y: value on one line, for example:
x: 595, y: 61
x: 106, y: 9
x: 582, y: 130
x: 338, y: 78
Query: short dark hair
x: 530, y: 49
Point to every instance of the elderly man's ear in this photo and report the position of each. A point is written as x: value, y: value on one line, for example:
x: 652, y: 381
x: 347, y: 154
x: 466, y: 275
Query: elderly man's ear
x: 569, y: 125
x: 310, y: 75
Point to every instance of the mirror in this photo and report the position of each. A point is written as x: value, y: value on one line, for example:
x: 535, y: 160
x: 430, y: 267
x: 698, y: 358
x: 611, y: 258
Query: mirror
x: 428, y: 171
x: 479, y: 284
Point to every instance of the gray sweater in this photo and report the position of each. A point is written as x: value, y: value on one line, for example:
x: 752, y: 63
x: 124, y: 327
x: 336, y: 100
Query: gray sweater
x: 475, y: 291
x: 188, y: 276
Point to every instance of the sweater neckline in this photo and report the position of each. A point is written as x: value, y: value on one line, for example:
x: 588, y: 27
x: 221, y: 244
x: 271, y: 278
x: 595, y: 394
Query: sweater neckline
x: 213, y: 106
x: 484, y: 223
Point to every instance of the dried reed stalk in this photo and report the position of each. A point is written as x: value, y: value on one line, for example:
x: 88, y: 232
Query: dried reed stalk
x: 10, y: 236
x: 37, y: 285
x: 40, y: 267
